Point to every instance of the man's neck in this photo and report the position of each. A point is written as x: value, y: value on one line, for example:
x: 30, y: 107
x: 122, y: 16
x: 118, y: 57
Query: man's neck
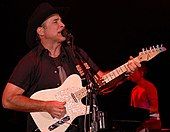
x: 53, y: 48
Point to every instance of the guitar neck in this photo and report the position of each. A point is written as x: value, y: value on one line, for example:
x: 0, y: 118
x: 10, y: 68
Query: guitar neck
x: 118, y: 71
x: 145, y: 55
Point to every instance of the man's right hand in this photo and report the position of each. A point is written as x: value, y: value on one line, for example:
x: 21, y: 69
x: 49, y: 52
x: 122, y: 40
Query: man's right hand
x: 56, y: 109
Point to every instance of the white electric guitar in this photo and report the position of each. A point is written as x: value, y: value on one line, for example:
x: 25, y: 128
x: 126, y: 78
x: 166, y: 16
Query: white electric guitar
x: 72, y: 91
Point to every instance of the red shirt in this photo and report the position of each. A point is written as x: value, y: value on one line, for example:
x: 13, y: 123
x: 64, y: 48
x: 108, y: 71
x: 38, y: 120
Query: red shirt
x: 144, y: 95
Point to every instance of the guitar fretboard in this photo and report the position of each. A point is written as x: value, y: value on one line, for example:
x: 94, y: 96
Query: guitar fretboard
x: 117, y: 72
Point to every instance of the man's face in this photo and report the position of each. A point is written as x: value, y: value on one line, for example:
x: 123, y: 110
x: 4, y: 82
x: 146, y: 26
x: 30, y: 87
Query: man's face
x: 53, y: 27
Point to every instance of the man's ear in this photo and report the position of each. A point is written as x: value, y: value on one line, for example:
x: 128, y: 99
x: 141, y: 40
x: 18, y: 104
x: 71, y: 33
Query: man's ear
x: 40, y: 31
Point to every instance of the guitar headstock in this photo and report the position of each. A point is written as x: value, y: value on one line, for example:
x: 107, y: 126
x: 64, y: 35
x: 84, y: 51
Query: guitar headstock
x: 148, y: 54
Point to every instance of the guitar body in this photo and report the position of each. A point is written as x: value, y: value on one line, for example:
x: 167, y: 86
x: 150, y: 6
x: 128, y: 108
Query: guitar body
x: 69, y: 91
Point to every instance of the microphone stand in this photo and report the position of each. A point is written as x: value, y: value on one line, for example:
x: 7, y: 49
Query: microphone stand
x: 94, y: 110
x: 91, y: 88
x: 91, y: 84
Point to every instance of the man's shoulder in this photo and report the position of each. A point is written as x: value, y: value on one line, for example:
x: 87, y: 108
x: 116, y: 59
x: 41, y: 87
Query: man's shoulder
x: 32, y: 57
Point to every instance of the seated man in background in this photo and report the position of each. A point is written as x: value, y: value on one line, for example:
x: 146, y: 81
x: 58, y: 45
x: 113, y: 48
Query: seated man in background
x: 144, y: 95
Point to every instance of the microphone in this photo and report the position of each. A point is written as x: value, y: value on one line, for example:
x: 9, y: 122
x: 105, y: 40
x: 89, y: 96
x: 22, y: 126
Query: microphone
x: 68, y: 36
x: 66, y: 33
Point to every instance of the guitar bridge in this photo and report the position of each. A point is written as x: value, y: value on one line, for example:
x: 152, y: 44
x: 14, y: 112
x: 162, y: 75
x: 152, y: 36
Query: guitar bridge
x: 58, y: 123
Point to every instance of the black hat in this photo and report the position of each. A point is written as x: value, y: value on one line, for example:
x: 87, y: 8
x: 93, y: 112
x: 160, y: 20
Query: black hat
x: 41, y: 13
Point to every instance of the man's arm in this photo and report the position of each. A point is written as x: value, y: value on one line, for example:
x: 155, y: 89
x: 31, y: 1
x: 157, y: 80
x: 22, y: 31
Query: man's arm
x: 13, y: 99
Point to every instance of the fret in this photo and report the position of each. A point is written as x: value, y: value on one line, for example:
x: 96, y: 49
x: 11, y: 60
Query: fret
x: 119, y: 71
x: 107, y: 78
x: 113, y: 74
x: 123, y: 68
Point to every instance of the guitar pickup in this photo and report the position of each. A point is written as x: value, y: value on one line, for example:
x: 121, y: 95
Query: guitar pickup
x: 58, y: 123
x: 74, y: 97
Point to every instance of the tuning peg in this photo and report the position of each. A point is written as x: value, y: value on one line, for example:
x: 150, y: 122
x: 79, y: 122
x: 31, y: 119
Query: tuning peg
x: 143, y: 50
x: 146, y: 50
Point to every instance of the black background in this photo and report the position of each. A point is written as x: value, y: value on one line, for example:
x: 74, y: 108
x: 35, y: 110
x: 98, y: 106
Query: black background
x: 109, y: 31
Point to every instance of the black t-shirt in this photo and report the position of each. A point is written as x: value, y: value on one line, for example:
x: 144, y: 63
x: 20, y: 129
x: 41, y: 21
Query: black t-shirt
x: 37, y: 71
